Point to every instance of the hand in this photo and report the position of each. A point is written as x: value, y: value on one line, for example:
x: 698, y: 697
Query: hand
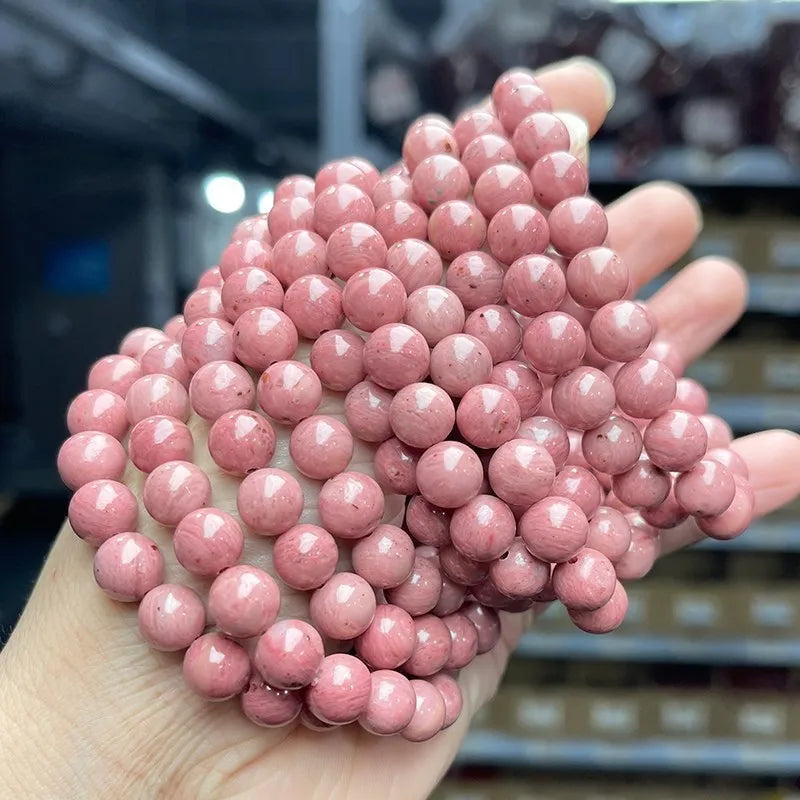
x: 91, y: 711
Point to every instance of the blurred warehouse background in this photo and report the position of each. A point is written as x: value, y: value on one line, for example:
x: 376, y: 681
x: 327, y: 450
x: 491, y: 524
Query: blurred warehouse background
x: 134, y: 135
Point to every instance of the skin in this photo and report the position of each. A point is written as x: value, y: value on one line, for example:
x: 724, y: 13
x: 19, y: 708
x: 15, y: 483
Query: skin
x: 114, y: 717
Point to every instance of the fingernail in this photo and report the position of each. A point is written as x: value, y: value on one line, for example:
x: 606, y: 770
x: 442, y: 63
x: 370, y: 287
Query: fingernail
x: 609, y: 86
x: 578, y: 131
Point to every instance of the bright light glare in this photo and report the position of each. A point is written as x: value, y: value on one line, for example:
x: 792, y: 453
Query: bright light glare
x: 224, y: 192
x: 265, y: 201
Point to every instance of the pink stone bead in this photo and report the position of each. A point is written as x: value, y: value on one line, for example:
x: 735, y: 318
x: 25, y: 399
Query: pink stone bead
x: 668, y: 354
x: 597, y: 276
x: 295, y: 186
x: 427, y: 523
x: 508, y: 82
x: 554, y: 529
x: 389, y: 640
x: 139, y: 341
x: 483, y: 528
x: 609, y: 533
x: 719, y: 432
x: 577, y: 223
x: 486, y: 151
x: 90, y: 456
x: 585, y: 582
x: 498, y: 329
x: 295, y: 254
x: 269, y: 707
x: 643, y: 551
x: 208, y: 541
x: 583, y: 398
x: 395, y: 467
x: 400, y: 220
x: 676, y: 440
x: 385, y: 558
x: 730, y: 459
x: 114, y: 373
x: 207, y: 340
x: 420, y: 591
x: 314, y: 304
x: 521, y: 472
x: 291, y: 214
x: 100, y: 509
x: 451, y: 598
x: 343, y: 607
x: 435, y: 312
x: 736, y: 518
x: 432, y: 646
x: 372, y: 175
x: 554, y: 343
x: 522, y: 382
x: 517, y: 573
x: 396, y: 355
x: 537, y: 135
x: 243, y: 601
x: 98, y: 410
x: 305, y: 556
x: 422, y: 414
x: 350, y: 505
x: 321, y: 447
x: 558, y: 176
x: 475, y: 122
x: 517, y: 231
x: 354, y: 246
x: 220, y: 387
x: 448, y: 687
x: 690, y: 396
x: 241, y: 442
x: 340, y: 690
x: 500, y: 186
x: 622, y: 330
x: 175, y: 489
x: 423, y: 140
x: 366, y: 409
x: 263, y: 336
x: 642, y: 486
x: 289, y: 391
x: 391, y: 704
x: 606, y: 618
x: 390, y: 188
x: 270, y: 501
x: 669, y: 514
x: 171, y: 616
x: 460, y: 569
x: 644, y: 388
x: 154, y: 395
x: 488, y: 415
x: 486, y: 623
x: 373, y: 297
x: 429, y: 714
x: 612, y: 447
x: 216, y: 667
x: 340, y: 204
x: 438, y: 179
x: 250, y: 288
x: 127, y: 566
x: 459, y: 362
x: 158, y: 439
x: 706, y: 490
x: 202, y: 304
x: 256, y: 226
x: 312, y: 723
x: 289, y: 654
x: 212, y: 277
x: 523, y: 100
x: 548, y: 433
x: 341, y: 171
x: 456, y: 227
x: 476, y: 279
x: 247, y: 252
x: 415, y: 263
x: 449, y: 474
x: 166, y: 358
x: 337, y: 358
x: 577, y: 484
x: 534, y: 284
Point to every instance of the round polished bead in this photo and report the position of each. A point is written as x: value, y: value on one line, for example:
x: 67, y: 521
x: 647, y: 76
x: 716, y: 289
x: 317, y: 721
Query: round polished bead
x: 269, y: 707
x: 483, y: 528
x: 500, y: 186
x: 517, y: 231
x: 429, y: 714
x: 438, y: 179
x: 456, y: 227
x: 554, y: 529
x: 400, y: 220
x: 288, y: 655
x: 90, y: 456
x: 460, y: 569
x: 350, y: 505
x: 340, y: 171
x: 139, y: 341
x: 255, y: 226
x: 250, y: 288
x: 154, y: 395
x: 597, y: 276
x: 390, y: 188
x: 668, y: 354
x: 690, y: 396
x: 522, y: 382
x: 706, y: 490
x: 436, y: 312
x: 203, y: 304
x: 100, y: 509
x: 337, y: 205
x: 396, y: 355
x: 385, y: 558
x: 432, y: 646
x: 718, y: 431
x: 643, y: 551
x: 391, y: 704
x: 452, y: 597
x: 550, y: 434
x: 115, y: 373
x: 171, y: 616
x: 730, y: 459
x: 289, y: 391
x: 337, y: 358
x: 127, y: 566
x: 415, y: 263
x: 676, y: 440
x: 305, y: 556
x: 583, y: 398
x: 643, y: 486
x: 644, y: 388
x: 166, y: 358
x: 476, y: 279
x: 577, y: 223
x: 389, y: 640
x: 606, y: 618
x: 313, y: 723
x: 395, y: 467
x: 314, y: 305
x: 537, y: 135
x: 558, y: 176
x: 241, y: 442
x: 366, y: 409
x: 354, y: 246
x: 486, y: 623
x: 263, y: 336
x: 449, y: 474
x: 98, y: 410
x: 534, y: 284
x: 175, y: 489
x: 737, y: 516
x: 475, y: 122
x: 427, y: 523
x: 459, y: 362
x: 420, y: 591
x: 373, y: 297
x: 498, y: 329
x: 485, y: 151
x: 175, y: 326
x: 270, y: 501
x: 488, y: 415
x: 554, y: 343
x: 340, y: 690
x: 343, y: 607
x: 158, y: 439
x: 612, y: 447
x: 220, y: 387
x: 622, y: 330
x: 207, y: 340
x: 247, y: 252
x: 216, y: 667
x: 243, y: 601
x: 295, y: 186
x: 578, y: 484
x: 586, y: 581
x: 609, y: 533
x: 321, y: 447
x: 508, y: 82
x: 291, y: 214
x: 521, y: 472
x: 448, y: 687
x: 669, y: 514
x: 212, y: 277
x: 208, y: 541
x: 422, y: 414
x: 423, y: 140
x: 515, y: 105
x: 517, y: 573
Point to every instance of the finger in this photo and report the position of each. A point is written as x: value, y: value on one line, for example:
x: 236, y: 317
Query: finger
x: 651, y: 227
x: 771, y: 457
